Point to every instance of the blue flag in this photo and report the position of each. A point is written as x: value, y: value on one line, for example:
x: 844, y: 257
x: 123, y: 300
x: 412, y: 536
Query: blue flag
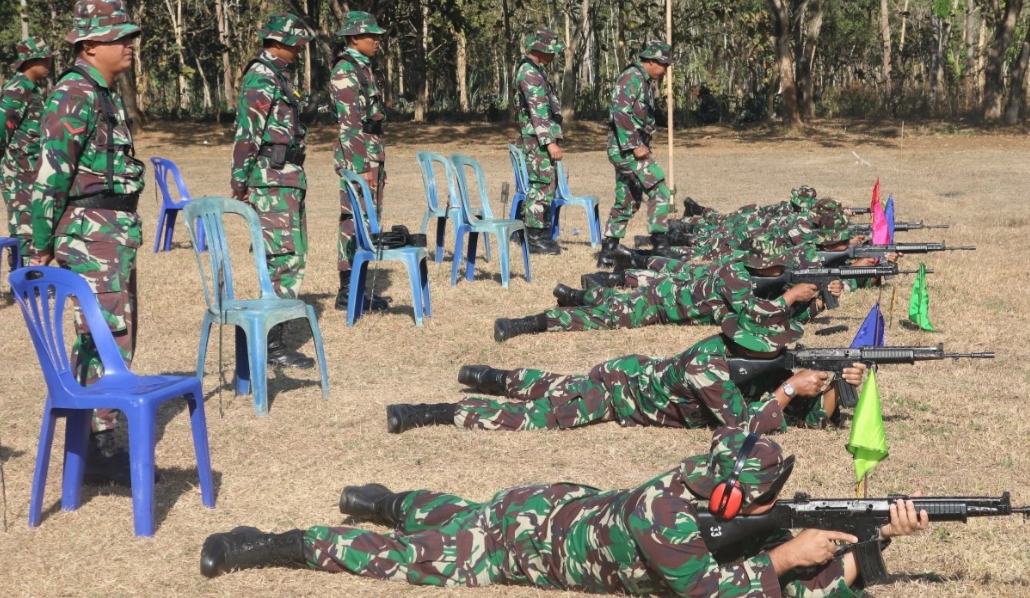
x: 870, y: 333
x: 888, y: 212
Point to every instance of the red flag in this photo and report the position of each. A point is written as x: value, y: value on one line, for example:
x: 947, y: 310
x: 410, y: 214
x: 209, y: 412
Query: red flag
x: 876, y: 196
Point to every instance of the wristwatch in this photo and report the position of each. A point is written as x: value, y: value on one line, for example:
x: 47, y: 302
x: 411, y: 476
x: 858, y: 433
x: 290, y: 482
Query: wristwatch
x: 789, y: 390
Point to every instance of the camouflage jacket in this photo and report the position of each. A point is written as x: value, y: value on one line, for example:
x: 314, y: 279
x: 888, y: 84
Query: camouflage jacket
x: 539, y: 111
x: 267, y: 114
x: 358, y: 104
x: 22, y: 105
x: 631, y: 114
x: 74, y: 146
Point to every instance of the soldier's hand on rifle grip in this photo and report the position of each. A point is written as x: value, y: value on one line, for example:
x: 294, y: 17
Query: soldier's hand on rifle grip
x: 554, y: 151
x: 854, y: 374
x: 904, y: 519
x: 641, y: 151
x: 809, y: 548
x: 801, y: 293
x: 836, y: 288
x: 809, y: 383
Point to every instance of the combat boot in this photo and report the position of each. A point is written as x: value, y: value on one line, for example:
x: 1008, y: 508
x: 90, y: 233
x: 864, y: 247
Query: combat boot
x: 624, y: 258
x: 660, y: 245
x: 540, y: 243
x: 400, y: 418
x: 568, y: 296
x: 505, y: 328
x: 484, y: 379
x: 375, y: 503
x: 604, y: 258
x: 692, y: 208
x: 281, y: 357
x: 250, y: 548
x: 373, y: 303
x: 606, y: 280
x: 106, y: 462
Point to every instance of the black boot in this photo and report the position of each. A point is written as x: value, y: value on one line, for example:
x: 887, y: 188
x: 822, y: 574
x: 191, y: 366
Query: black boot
x: 540, y: 243
x: 249, y: 548
x: 624, y: 258
x: 604, y: 258
x: 505, y: 328
x: 660, y: 245
x: 692, y: 208
x: 375, y: 503
x: 568, y: 296
x: 607, y: 280
x: 372, y: 303
x: 400, y: 418
x: 281, y: 357
x: 484, y: 379
x: 106, y: 462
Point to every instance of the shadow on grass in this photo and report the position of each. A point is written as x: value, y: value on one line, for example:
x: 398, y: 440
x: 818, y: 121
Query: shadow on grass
x: 6, y: 454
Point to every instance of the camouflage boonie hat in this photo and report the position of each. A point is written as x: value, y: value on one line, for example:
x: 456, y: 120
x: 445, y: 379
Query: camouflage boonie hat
x: 286, y: 29
x: 358, y: 22
x: 832, y: 228
x: 768, y: 335
x: 763, y: 476
x: 657, y: 51
x: 803, y: 198
x: 544, y: 40
x: 100, y: 20
x: 30, y: 48
x: 765, y: 253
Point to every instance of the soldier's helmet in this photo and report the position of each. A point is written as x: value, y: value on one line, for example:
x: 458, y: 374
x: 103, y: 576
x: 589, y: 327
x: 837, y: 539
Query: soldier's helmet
x: 358, y: 22
x: 764, y: 473
x: 544, y: 40
x: 30, y: 49
x: 286, y: 29
x: 100, y: 20
x: 657, y: 51
x: 765, y: 334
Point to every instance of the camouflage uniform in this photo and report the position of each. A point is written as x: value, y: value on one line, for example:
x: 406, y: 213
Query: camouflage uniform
x: 565, y: 536
x: 359, y: 107
x: 22, y: 105
x: 539, y: 118
x: 268, y: 156
x: 86, y: 164
x: 631, y: 125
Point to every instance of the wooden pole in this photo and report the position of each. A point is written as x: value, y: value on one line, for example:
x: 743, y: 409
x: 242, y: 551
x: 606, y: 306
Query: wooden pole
x: 671, y: 178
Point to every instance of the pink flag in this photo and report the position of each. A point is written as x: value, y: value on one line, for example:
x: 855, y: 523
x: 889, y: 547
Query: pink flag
x: 881, y: 233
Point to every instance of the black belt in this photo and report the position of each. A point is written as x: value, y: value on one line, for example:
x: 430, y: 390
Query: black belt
x: 107, y: 201
x: 372, y: 127
x: 282, y: 157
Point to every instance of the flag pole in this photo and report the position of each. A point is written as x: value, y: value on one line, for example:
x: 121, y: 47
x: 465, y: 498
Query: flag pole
x: 669, y: 107
x: 894, y: 295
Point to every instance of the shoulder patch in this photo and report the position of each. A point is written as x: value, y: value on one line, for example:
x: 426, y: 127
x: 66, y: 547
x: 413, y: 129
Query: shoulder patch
x: 73, y: 130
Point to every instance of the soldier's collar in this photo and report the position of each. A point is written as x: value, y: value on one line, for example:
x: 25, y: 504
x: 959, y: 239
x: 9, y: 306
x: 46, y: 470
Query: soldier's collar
x: 92, y: 71
x: 279, y: 63
x: 361, y: 58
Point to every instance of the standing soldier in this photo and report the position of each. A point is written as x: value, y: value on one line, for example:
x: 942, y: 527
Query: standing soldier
x: 540, y: 120
x: 631, y: 125
x: 359, y: 145
x: 22, y: 106
x: 84, y: 196
x: 268, y: 165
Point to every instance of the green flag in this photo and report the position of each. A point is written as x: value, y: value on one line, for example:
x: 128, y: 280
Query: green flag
x: 868, y: 442
x: 919, y: 305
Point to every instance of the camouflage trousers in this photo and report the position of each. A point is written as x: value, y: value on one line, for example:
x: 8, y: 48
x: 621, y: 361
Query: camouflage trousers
x: 542, y: 183
x: 446, y: 540
x: 664, y: 302
x: 17, y: 190
x: 635, y: 179
x: 345, y: 244
x: 284, y: 228
x: 100, y: 246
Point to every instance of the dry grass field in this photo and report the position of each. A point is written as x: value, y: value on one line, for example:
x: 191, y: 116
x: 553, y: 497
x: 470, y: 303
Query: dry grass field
x: 954, y: 428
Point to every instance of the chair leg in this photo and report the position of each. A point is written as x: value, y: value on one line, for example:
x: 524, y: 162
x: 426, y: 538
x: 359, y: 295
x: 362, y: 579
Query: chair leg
x: 159, y: 234
x: 504, y: 248
x: 316, y: 338
x: 411, y: 265
x: 142, y: 438
x: 427, y: 307
x: 594, y: 216
x: 356, y: 298
x: 459, y: 243
x: 525, y: 256
x: 486, y: 246
x: 170, y: 232
x: 205, y: 334
x: 257, y: 345
x: 198, y: 425
x: 425, y: 221
x: 243, y: 369
x: 76, y: 446
x: 201, y: 240
x: 46, y: 440
x: 555, y: 214
x: 441, y: 228
x: 470, y: 256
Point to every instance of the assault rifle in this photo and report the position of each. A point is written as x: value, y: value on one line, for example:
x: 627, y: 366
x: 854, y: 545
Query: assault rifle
x: 765, y: 286
x: 862, y: 518
x: 867, y: 229
x: 832, y: 258
x: 744, y: 369
x: 859, y: 211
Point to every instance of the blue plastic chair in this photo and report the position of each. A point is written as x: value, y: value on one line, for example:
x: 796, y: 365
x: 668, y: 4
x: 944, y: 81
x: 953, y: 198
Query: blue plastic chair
x: 43, y: 294
x: 473, y: 226
x: 521, y: 173
x: 564, y: 197
x: 12, y: 245
x: 253, y: 318
x: 367, y: 224
x: 169, y: 207
x: 442, y: 212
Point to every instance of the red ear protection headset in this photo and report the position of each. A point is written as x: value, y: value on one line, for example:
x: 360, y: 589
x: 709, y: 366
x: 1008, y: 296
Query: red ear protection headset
x: 728, y: 496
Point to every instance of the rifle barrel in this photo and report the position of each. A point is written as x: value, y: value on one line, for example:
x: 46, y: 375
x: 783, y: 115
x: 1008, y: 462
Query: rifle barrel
x: 984, y: 355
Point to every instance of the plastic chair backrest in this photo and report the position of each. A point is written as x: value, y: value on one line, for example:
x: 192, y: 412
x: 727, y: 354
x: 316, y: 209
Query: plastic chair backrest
x: 429, y: 181
x: 518, y: 166
x: 210, y: 211
x: 366, y: 222
x: 162, y: 168
x: 461, y: 162
x: 43, y: 294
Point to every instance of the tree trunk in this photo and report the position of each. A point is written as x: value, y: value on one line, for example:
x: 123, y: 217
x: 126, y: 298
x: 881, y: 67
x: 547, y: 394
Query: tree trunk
x: 228, y: 93
x: 175, y: 16
x: 24, y: 19
x: 127, y: 89
x: 422, y: 100
x: 785, y: 62
x: 462, y: 72
x: 509, y: 54
x: 994, y: 85
x: 573, y: 49
x: 203, y: 80
x: 1016, y: 93
x: 806, y: 58
x: 885, y: 36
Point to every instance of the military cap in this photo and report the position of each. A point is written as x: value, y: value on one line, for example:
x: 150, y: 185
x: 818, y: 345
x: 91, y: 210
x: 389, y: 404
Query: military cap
x: 100, y: 20
x: 30, y: 48
x: 657, y: 51
x: 832, y: 228
x: 544, y: 40
x: 803, y: 198
x: 358, y: 22
x: 765, y: 253
x: 763, y: 476
x: 286, y: 29
x: 766, y: 335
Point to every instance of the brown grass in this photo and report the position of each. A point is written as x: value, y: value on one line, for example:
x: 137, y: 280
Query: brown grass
x: 953, y: 428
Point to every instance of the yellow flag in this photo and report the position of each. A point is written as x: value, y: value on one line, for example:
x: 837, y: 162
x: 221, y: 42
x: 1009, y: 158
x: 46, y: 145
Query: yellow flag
x: 868, y: 442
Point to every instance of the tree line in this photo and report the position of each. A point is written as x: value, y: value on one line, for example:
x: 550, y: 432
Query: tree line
x: 737, y: 61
